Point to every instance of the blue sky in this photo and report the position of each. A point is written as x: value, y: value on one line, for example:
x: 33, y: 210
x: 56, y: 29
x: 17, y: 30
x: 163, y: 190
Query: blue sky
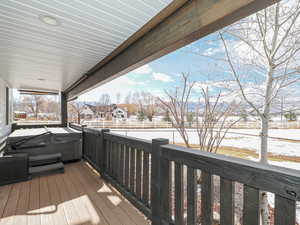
x: 163, y: 73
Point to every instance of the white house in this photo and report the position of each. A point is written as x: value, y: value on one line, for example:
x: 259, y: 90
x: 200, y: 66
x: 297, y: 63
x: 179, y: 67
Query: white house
x: 87, y: 112
x: 119, y: 113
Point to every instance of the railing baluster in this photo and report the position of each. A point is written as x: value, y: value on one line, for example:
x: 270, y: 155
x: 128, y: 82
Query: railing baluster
x: 226, y: 202
x: 191, y: 196
x: 251, y: 206
x: 166, y: 173
x: 115, y: 160
x: 111, y: 155
x: 146, y: 178
x: 285, y: 211
x: 118, y: 163
x: 139, y: 173
x: 93, y: 155
x: 132, y: 170
x: 107, y: 148
x: 127, y: 161
x: 121, y: 167
x: 206, y: 198
x: 179, y: 197
x: 101, y: 149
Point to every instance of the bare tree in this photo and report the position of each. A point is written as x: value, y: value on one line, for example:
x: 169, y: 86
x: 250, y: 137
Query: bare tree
x: 118, y: 98
x: 176, y: 104
x: 104, y: 100
x: 214, y: 124
x: 211, y: 115
x: 265, y: 46
x: 33, y: 104
x: 75, y: 109
x: 148, y: 102
x: 127, y: 99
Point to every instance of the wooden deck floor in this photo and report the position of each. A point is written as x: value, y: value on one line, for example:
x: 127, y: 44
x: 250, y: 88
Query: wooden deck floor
x: 76, y: 197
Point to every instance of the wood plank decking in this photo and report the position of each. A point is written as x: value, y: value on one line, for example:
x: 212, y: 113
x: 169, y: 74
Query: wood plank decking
x: 76, y: 197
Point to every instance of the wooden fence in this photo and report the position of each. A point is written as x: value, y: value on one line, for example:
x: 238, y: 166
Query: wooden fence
x: 163, y: 124
x: 153, y: 175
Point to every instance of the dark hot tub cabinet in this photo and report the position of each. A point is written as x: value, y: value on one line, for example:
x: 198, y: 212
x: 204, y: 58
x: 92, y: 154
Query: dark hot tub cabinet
x: 43, y: 141
x: 31, y: 152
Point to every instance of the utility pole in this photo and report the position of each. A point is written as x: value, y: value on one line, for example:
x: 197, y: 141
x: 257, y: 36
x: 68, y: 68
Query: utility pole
x: 281, y: 106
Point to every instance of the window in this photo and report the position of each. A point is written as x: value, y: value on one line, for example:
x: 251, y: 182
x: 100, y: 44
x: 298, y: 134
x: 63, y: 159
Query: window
x: 36, y: 107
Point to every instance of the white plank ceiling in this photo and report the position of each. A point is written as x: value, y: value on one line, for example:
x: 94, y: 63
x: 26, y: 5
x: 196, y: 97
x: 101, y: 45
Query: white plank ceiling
x: 35, y: 55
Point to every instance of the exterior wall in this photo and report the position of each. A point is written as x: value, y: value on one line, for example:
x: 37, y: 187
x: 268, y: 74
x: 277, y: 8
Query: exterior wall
x: 4, y: 128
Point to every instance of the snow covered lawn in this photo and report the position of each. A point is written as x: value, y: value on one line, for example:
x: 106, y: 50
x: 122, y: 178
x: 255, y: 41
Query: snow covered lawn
x: 242, y: 140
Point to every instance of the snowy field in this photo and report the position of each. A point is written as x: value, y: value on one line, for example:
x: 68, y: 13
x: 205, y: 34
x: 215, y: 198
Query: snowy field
x: 242, y: 140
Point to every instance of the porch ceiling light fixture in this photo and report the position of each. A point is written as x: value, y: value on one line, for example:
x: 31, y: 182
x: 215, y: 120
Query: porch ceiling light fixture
x: 49, y: 20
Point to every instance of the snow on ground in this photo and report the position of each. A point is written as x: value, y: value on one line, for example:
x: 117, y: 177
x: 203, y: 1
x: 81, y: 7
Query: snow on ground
x: 277, y: 147
x: 234, y: 139
x: 293, y: 134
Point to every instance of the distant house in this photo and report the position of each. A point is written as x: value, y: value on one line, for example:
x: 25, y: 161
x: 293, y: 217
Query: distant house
x: 119, y: 113
x: 20, y: 115
x: 105, y: 112
x: 88, y: 112
x: 131, y: 109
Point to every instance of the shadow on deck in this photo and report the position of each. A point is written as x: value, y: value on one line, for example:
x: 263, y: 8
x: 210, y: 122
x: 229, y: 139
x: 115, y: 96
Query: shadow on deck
x: 76, y: 197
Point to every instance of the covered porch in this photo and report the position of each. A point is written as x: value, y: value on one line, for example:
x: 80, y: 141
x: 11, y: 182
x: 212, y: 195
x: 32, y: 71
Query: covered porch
x: 118, y: 179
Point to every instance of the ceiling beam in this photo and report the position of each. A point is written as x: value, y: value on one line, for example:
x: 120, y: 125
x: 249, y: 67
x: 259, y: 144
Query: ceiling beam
x: 169, y: 31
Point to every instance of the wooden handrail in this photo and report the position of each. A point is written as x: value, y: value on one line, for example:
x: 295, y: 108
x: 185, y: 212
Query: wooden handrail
x: 154, y: 174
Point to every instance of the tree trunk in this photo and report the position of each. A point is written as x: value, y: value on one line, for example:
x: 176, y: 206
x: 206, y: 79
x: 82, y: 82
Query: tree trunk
x: 36, y: 111
x: 263, y: 153
x: 264, y: 209
x: 263, y: 157
x: 78, y: 118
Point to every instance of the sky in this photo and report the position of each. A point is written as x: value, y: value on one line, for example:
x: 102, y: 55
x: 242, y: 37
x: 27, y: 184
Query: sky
x: 161, y: 74
x: 199, y: 61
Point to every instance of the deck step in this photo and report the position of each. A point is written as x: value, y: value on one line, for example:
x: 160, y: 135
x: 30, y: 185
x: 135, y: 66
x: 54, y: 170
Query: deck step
x: 40, y: 160
x: 50, y: 168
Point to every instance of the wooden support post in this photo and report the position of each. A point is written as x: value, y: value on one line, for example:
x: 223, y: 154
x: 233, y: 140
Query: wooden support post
x: 156, y: 180
x: 64, y: 109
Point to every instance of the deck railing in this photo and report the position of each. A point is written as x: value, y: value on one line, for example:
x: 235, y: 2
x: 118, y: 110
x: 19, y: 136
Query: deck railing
x: 165, y: 181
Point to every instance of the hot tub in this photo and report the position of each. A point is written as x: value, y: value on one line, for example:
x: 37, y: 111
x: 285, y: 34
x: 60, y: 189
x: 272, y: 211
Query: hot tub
x: 37, y: 141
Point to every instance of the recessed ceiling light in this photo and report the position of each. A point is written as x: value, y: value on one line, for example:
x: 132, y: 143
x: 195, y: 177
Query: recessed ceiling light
x: 49, y: 20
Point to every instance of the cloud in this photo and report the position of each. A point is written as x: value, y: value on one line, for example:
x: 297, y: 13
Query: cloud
x: 162, y: 77
x: 122, y: 85
x: 143, y: 69
x: 212, y: 51
x: 128, y: 81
